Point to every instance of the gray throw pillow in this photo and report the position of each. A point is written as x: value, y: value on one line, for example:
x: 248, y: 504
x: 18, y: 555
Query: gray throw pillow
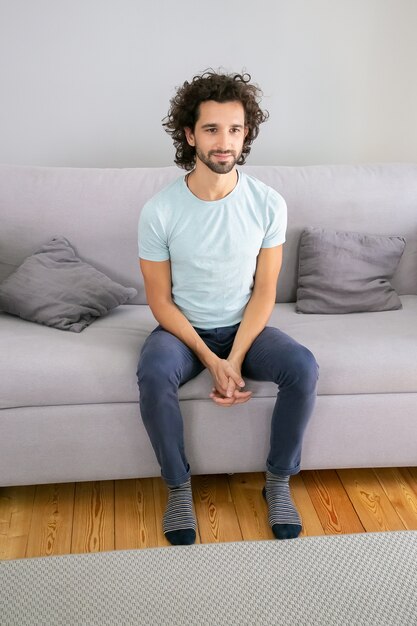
x: 54, y: 287
x: 345, y: 272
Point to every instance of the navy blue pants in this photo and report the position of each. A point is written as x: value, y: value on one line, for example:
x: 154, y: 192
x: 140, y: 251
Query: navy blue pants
x: 166, y: 363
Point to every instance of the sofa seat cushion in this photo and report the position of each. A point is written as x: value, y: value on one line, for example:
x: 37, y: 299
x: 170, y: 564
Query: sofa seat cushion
x: 357, y: 353
x: 45, y: 366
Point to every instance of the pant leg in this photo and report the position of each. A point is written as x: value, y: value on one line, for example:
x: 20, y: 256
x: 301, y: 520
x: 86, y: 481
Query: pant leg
x: 276, y: 357
x: 165, y: 364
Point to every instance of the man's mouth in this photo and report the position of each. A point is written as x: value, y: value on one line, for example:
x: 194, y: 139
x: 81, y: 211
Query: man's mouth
x: 222, y: 155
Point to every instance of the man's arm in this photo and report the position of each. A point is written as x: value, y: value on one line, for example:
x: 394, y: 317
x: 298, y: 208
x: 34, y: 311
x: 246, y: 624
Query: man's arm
x: 158, y: 286
x: 256, y: 315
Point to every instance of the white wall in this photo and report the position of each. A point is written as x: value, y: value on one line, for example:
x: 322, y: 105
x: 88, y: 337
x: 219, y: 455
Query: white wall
x: 87, y: 82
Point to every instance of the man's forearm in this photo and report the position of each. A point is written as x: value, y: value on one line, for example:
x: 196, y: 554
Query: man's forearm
x: 171, y: 319
x: 256, y: 315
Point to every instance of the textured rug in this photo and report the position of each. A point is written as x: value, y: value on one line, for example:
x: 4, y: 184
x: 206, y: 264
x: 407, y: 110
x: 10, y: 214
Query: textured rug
x: 355, y: 580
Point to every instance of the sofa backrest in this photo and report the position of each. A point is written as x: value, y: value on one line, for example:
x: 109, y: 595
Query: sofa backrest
x: 97, y: 210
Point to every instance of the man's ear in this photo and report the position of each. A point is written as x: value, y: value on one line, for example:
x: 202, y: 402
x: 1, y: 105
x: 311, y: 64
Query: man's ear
x: 189, y: 135
x: 246, y: 131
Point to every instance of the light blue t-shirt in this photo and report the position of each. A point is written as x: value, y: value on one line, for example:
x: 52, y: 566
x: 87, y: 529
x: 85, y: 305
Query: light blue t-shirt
x: 212, y: 246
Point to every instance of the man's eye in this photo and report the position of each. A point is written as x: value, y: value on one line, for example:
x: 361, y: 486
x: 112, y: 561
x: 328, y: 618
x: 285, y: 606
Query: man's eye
x: 235, y: 130
x: 211, y: 130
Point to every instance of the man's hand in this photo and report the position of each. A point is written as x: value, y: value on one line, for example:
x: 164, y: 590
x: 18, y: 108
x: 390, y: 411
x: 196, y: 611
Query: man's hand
x: 228, y: 383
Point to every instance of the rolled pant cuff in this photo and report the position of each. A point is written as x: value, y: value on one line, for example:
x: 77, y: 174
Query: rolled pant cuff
x: 176, y: 482
x: 283, y: 472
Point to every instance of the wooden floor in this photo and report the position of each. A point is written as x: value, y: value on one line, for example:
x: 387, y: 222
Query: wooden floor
x: 117, y: 515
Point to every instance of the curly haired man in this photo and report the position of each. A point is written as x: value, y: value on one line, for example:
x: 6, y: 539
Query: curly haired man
x: 210, y: 248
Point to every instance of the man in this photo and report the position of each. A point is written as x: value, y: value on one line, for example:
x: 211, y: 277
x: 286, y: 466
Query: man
x: 210, y: 247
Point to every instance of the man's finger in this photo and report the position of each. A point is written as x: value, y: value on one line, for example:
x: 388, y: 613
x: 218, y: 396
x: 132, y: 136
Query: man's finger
x: 224, y: 381
x: 237, y: 394
x: 239, y: 398
x: 242, y: 397
x: 227, y: 402
x: 231, y: 386
x: 242, y: 400
x: 235, y: 376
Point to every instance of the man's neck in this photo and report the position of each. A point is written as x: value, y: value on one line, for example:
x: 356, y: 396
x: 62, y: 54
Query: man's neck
x: 209, y: 186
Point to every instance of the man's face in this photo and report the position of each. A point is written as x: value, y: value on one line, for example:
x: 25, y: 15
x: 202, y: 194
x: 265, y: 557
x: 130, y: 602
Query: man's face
x: 218, y: 135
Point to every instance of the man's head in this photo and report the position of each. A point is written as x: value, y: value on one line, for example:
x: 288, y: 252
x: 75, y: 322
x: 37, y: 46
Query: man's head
x: 200, y: 98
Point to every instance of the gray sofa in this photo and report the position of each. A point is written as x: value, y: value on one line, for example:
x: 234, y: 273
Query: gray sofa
x: 69, y: 402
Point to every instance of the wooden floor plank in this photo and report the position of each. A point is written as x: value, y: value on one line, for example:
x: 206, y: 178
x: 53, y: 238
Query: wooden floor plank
x: 93, y: 521
x: 310, y: 520
x: 134, y: 514
x: 335, y: 511
x: 411, y: 474
x: 51, y: 523
x: 400, y: 493
x: 251, y: 508
x: 215, y: 511
x: 16, y: 508
x: 370, y: 500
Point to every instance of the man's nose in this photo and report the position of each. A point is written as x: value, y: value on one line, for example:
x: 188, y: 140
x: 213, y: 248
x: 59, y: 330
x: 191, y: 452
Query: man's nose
x: 223, y: 140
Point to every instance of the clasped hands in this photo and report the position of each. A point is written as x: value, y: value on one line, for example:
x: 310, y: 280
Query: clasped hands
x: 228, y: 384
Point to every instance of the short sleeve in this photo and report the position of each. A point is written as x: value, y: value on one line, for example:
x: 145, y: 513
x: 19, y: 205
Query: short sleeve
x: 152, y: 240
x: 276, y: 214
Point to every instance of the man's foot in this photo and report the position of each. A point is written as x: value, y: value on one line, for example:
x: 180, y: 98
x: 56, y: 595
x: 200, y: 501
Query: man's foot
x: 283, y: 516
x: 179, y: 522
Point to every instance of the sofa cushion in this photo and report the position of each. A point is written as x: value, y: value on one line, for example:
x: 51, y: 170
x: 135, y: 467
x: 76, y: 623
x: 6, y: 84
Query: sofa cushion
x: 56, y: 288
x: 357, y: 354
x: 347, y: 272
x: 362, y: 352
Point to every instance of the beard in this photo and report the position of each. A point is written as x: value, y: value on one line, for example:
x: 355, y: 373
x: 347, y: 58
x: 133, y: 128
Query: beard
x: 215, y: 166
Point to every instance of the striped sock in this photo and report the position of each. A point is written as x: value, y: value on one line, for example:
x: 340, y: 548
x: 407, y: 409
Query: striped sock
x: 179, y: 522
x: 283, y: 516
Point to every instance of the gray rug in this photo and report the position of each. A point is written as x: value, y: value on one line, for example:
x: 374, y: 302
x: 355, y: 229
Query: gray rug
x: 336, y: 580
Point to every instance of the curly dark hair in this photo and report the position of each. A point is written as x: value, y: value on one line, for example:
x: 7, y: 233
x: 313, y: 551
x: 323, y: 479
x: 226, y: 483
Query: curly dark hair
x: 211, y: 85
